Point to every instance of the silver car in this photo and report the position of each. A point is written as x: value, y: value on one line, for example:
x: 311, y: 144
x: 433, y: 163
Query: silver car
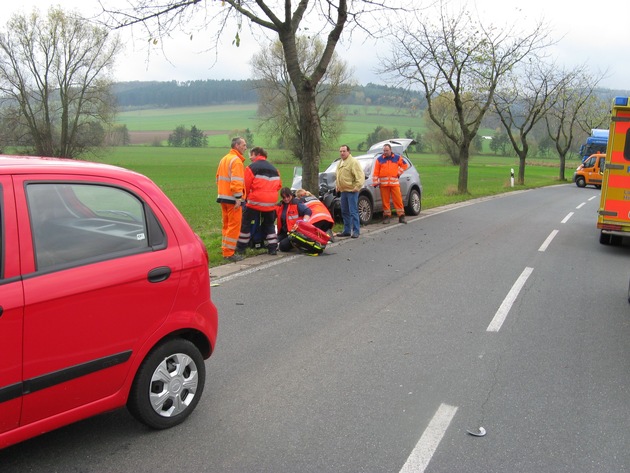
x: 370, y: 197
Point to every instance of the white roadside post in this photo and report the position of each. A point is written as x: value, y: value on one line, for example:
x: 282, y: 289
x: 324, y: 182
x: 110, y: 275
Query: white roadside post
x: 512, y: 177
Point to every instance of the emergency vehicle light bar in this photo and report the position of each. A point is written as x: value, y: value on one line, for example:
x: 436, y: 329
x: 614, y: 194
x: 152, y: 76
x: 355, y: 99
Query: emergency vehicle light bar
x: 621, y: 101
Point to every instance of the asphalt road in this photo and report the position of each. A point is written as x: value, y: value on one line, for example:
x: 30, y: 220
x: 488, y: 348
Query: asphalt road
x: 382, y: 354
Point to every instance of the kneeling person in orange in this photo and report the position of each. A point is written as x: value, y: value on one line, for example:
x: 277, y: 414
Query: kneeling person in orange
x: 387, y: 169
x: 231, y: 190
x: 289, y: 210
x: 320, y: 216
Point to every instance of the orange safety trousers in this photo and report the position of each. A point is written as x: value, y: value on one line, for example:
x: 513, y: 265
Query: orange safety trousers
x: 392, y: 192
x: 232, y: 217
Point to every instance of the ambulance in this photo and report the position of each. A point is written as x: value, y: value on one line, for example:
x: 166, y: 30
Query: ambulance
x: 613, y: 216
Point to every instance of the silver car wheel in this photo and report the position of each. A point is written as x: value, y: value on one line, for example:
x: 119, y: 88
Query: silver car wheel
x: 173, y: 385
x: 414, y: 204
x: 168, y: 384
x: 365, y: 210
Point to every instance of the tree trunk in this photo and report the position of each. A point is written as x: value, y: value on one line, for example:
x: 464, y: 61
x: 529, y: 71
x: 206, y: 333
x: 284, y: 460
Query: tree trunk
x: 522, y: 154
x: 462, y: 183
x: 521, y: 168
x: 563, y: 159
x: 310, y: 131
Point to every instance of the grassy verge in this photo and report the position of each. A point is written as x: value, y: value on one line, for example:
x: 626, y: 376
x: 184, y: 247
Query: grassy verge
x: 187, y: 176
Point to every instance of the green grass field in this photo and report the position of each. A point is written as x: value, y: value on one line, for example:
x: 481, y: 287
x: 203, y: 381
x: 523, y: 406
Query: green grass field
x: 221, y: 121
x: 220, y: 117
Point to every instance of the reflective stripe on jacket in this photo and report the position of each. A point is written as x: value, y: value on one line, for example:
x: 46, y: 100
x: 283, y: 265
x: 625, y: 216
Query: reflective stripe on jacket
x: 293, y: 211
x: 231, y: 178
x: 318, y: 209
x: 262, y: 183
x: 388, y: 170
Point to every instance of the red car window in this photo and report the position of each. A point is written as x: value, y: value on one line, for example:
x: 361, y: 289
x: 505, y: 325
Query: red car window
x: 81, y: 222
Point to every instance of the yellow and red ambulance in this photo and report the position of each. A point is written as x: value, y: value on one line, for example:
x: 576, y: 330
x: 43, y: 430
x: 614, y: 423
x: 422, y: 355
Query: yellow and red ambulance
x: 613, y: 217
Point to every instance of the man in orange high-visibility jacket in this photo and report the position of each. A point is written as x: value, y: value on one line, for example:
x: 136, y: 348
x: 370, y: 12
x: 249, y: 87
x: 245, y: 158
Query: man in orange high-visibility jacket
x: 231, y: 190
x: 262, y: 183
x: 387, y: 169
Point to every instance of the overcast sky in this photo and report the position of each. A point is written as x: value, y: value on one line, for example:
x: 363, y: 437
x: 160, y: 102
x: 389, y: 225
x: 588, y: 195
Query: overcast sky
x: 586, y: 34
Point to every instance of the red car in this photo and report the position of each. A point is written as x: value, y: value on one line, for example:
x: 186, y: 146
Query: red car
x: 104, y: 298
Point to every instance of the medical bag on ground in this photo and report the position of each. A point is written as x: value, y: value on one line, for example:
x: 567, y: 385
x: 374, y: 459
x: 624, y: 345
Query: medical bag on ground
x: 308, y: 238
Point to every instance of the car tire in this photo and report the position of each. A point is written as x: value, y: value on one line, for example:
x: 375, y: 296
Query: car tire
x: 335, y: 211
x: 168, y: 384
x: 580, y: 182
x: 366, y: 209
x: 414, y: 203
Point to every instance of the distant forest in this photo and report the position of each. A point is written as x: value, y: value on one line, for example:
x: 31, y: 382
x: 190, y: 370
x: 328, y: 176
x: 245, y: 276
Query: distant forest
x: 135, y: 95
x: 150, y: 95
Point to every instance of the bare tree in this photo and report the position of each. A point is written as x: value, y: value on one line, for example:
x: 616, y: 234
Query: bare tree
x: 570, y: 104
x: 277, y: 104
x: 284, y: 20
x: 464, y: 58
x: 522, y: 101
x: 54, y: 82
x: 443, y: 108
x: 595, y: 113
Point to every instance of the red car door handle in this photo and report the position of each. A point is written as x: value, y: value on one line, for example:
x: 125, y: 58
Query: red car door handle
x: 159, y: 274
